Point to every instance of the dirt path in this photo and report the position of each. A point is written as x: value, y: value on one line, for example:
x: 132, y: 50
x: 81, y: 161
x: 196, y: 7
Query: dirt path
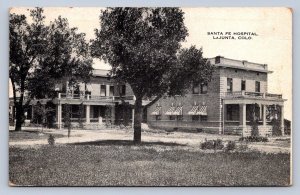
x: 192, y: 140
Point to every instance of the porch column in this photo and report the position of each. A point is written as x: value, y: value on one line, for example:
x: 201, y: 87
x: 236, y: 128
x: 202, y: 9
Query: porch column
x: 87, y: 114
x: 32, y: 112
x: 132, y: 118
x: 242, y: 115
x: 264, y: 114
x: 107, y: 90
x: 59, y: 115
x: 282, y: 120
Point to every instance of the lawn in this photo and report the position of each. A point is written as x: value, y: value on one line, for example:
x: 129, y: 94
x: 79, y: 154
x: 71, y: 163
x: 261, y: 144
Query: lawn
x: 119, y: 163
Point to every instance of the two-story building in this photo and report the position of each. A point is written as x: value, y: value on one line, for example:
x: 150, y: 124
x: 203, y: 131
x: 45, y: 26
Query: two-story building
x: 223, y: 105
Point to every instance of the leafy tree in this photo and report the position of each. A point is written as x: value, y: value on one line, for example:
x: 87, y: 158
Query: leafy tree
x: 41, y: 56
x: 143, y: 47
x: 26, y: 45
x: 43, y: 114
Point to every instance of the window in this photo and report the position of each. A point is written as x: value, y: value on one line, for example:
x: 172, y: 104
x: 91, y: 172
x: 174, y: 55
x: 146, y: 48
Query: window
x: 172, y: 117
x: 179, y: 117
x: 229, y: 84
x: 203, y: 118
x: 102, y: 90
x: 64, y: 87
x: 257, y: 86
x: 158, y: 117
x: 87, y: 92
x: 200, y: 89
x: 77, y: 90
x: 196, y: 89
x: 111, y: 90
x: 203, y: 88
x: 243, y: 85
x: 195, y: 118
x: 217, y: 60
x: 229, y: 113
x: 123, y: 90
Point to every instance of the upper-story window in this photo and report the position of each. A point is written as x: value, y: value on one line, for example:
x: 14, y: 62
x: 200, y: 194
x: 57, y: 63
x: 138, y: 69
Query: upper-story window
x: 257, y: 86
x: 87, y: 90
x: 229, y: 84
x: 77, y: 89
x: 64, y: 87
x: 203, y: 88
x: 196, y: 89
x: 111, y: 90
x: 243, y: 85
x: 217, y: 60
x: 200, y: 89
x: 122, y: 90
x: 102, y: 90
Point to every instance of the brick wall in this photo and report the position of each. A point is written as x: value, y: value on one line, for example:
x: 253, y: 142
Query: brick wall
x: 249, y: 76
x: 263, y: 131
x: 211, y: 100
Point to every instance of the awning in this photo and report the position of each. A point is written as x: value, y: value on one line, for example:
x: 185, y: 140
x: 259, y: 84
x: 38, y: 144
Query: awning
x: 178, y: 111
x: 202, y: 110
x: 156, y: 111
x: 170, y: 111
x: 193, y: 111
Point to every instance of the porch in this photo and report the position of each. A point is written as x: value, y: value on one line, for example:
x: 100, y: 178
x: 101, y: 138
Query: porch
x: 237, y: 112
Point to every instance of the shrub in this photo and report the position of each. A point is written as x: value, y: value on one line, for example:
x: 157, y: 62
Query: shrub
x: 230, y: 146
x: 276, y: 127
x: 212, y: 144
x: 199, y: 130
x: 243, y: 147
x: 254, y: 139
x: 51, y: 140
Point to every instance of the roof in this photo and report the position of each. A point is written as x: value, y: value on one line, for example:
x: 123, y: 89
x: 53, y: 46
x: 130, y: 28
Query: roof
x: 100, y: 72
x: 221, y: 61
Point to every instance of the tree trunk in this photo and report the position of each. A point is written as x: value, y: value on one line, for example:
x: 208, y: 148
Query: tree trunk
x: 137, y: 120
x: 19, y: 117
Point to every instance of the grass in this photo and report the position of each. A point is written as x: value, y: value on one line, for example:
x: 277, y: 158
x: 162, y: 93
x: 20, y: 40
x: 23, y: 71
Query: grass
x: 154, y: 164
x: 29, y: 135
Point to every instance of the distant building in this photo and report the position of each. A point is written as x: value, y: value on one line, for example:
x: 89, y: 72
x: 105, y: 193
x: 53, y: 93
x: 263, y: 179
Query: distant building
x: 221, y: 106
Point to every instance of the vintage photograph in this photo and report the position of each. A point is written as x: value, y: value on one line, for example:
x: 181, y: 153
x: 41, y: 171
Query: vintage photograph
x: 150, y: 96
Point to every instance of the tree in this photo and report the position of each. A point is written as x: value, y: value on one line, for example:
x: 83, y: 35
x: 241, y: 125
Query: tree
x: 41, y: 56
x: 26, y: 45
x: 143, y: 47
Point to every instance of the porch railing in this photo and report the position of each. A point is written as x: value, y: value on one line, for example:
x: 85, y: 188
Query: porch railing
x: 238, y: 94
x: 93, y: 97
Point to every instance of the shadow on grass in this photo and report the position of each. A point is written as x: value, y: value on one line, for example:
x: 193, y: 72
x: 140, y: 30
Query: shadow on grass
x: 125, y: 143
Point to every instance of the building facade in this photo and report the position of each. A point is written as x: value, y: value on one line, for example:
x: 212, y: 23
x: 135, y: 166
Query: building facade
x: 222, y: 106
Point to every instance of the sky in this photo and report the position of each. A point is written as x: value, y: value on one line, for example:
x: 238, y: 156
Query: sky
x: 271, y: 46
